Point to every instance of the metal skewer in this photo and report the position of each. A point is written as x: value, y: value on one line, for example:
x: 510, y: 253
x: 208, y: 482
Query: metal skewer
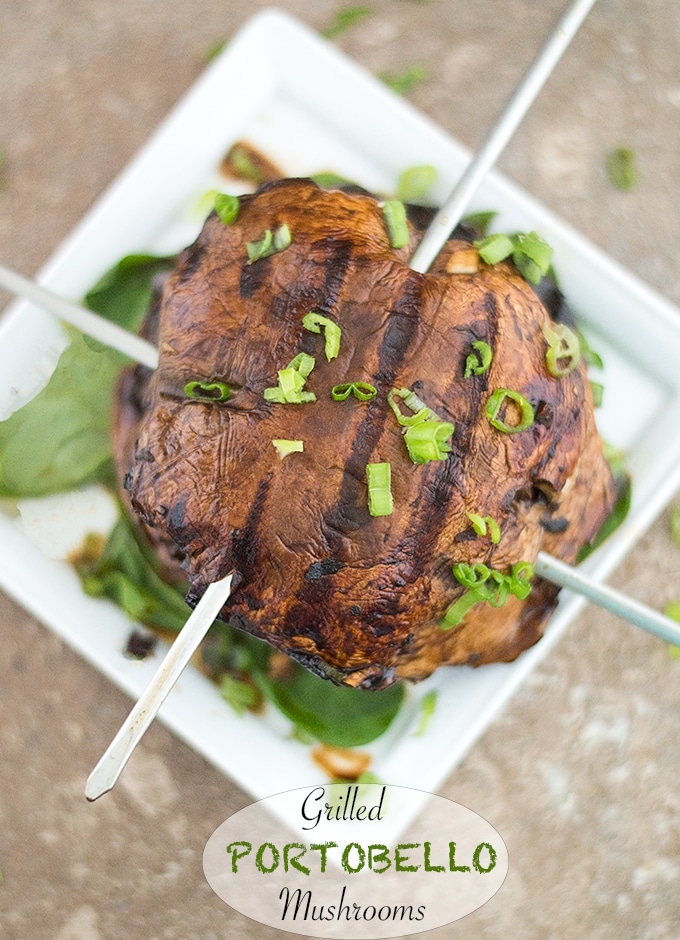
x: 451, y: 212
x: 107, y: 771
x: 99, y: 328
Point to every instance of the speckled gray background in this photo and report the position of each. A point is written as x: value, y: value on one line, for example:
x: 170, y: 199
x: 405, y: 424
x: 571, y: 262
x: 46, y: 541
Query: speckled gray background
x: 581, y: 775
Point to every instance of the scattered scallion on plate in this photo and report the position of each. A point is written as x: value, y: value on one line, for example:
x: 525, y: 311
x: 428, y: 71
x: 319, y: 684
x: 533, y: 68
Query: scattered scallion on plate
x: 415, y: 182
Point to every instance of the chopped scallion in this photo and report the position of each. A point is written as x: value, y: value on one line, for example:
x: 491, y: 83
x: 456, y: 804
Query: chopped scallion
x: 428, y: 440
x: 404, y: 82
x: 621, y: 168
x: 361, y: 390
x: 379, y: 478
x: 478, y: 362
x: 291, y: 382
x: 530, y: 252
x: 675, y: 526
x: 286, y: 447
x: 207, y: 391
x: 485, y: 524
x: 415, y: 182
x: 226, y: 207
x: 597, y: 391
x: 487, y: 585
x: 412, y: 402
x: 395, y: 223
x: 344, y: 19
x: 494, y: 248
x: 269, y: 244
x: 564, y: 349
x: 427, y: 708
x: 315, y: 323
x: 494, y: 406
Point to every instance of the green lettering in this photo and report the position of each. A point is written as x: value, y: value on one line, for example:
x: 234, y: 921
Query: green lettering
x: 323, y: 847
x: 382, y: 855
x: 345, y: 858
x: 452, y: 859
x: 236, y: 855
x: 259, y: 858
x: 289, y: 859
x: 399, y: 859
x: 492, y: 858
x: 426, y: 865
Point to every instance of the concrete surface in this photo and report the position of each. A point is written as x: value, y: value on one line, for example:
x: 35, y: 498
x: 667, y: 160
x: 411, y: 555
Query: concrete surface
x: 581, y: 774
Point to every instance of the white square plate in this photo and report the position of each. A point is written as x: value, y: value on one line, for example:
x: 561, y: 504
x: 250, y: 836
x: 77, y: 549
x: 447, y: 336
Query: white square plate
x: 299, y: 101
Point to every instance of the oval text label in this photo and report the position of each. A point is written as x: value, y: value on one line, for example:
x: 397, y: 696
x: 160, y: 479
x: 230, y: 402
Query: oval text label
x: 344, y: 860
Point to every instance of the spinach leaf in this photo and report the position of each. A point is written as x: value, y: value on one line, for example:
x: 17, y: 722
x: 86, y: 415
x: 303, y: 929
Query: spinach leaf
x: 60, y: 439
x: 124, y: 293
x: 335, y: 715
x: 127, y: 572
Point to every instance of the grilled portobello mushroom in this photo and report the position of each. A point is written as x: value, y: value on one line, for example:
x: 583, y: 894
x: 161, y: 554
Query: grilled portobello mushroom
x: 355, y: 597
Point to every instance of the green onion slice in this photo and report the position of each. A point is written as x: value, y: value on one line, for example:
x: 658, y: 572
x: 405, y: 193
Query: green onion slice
x: 291, y: 382
x: 411, y: 400
x: 269, y: 244
x: 487, y: 585
x: 286, y: 447
x: 484, y: 525
x: 395, y: 223
x: 531, y: 253
x: 226, y: 207
x: 494, y: 248
x: 414, y: 183
x: 379, y: 489
x: 478, y: 362
x: 621, y: 168
x: 361, y: 390
x: 315, y: 323
x: 428, y: 440
x: 597, y: 391
x: 207, y: 391
x: 494, y: 406
x: 564, y: 349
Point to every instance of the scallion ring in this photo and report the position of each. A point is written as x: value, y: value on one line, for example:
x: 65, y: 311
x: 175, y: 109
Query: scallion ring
x: 484, y: 525
x: 494, y: 406
x: 564, y: 349
x: 478, y: 362
x: 207, y: 391
x: 361, y: 390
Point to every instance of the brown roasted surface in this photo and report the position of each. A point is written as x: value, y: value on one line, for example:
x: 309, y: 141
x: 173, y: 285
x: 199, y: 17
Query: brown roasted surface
x: 350, y: 595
